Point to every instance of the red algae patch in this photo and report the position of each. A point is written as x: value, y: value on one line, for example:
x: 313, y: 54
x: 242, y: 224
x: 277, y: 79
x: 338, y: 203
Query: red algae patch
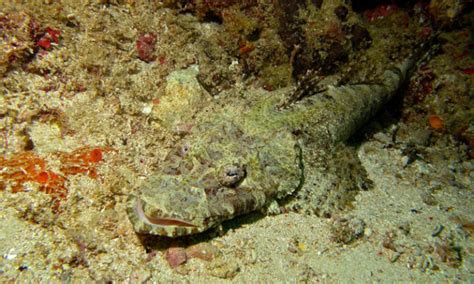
x: 436, y: 122
x: 29, y: 167
x: 146, y: 47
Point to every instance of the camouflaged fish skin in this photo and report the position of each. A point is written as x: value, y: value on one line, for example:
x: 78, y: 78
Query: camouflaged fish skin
x: 240, y: 158
x: 228, y: 166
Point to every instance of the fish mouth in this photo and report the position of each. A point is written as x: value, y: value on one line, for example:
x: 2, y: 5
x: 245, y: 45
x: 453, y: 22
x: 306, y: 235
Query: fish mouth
x: 158, y: 220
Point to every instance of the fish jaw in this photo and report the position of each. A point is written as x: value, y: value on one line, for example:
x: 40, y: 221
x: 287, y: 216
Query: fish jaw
x: 197, y: 212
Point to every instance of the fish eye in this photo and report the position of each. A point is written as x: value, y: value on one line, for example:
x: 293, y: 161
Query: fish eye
x: 184, y: 149
x: 231, y: 175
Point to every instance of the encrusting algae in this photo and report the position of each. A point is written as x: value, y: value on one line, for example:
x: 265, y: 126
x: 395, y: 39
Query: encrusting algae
x: 26, y: 171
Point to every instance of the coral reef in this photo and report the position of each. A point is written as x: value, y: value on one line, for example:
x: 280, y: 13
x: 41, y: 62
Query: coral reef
x: 22, y: 36
x: 18, y: 31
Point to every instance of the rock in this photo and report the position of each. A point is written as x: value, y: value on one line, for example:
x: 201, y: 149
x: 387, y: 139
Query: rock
x: 341, y: 13
x: 346, y: 230
x: 224, y: 269
x: 204, y: 251
x: 183, y: 98
x: 176, y: 256
x: 146, y: 47
x: 361, y: 38
x: 421, y: 137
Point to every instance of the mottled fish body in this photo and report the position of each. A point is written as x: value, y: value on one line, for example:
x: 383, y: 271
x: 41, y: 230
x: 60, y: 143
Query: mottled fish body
x: 239, y: 159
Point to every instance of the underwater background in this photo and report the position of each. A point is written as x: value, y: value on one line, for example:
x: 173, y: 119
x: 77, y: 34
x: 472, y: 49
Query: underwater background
x: 123, y: 121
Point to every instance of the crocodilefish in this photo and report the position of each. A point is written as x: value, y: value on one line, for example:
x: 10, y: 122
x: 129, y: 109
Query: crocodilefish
x: 242, y: 158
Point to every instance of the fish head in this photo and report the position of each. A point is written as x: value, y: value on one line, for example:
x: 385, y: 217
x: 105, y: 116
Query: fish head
x: 219, y: 171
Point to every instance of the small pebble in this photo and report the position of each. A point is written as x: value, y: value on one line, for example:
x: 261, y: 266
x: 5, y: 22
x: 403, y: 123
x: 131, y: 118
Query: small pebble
x: 176, y: 256
x: 253, y: 257
x: 147, y: 109
x: 204, y: 251
x: 368, y: 232
x: 395, y: 256
x: 406, y: 160
x: 224, y: 269
x: 428, y: 198
x: 421, y: 137
x: 346, y: 230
